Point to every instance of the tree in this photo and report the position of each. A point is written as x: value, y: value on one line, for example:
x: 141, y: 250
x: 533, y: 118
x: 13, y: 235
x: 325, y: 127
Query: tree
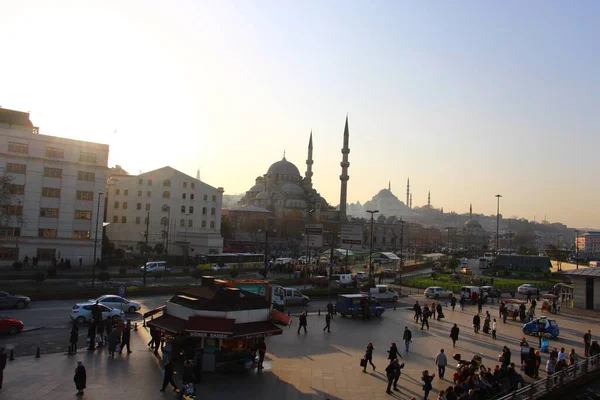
x: 159, y: 248
x: 104, y: 277
x: 108, y: 247
x: 226, y: 227
x: 6, y: 197
x: 39, y: 277
x: 143, y: 248
x: 197, y: 274
x: 157, y: 275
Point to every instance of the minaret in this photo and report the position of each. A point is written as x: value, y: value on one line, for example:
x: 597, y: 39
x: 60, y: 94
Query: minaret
x: 344, y: 176
x: 471, y: 211
x: 390, y: 186
x: 429, y: 199
x: 309, y: 160
x: 198, y: 174
x: 408, y: 192
x: 410, y: 206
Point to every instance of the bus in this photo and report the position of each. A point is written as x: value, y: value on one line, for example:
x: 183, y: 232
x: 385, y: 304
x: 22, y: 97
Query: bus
x: 234, y: 260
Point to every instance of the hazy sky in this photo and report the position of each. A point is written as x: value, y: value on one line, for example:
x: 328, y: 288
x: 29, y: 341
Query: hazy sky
x: 468, y: 98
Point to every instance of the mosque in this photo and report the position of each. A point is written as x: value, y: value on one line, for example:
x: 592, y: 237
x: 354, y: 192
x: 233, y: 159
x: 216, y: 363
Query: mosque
x: 284, y: 191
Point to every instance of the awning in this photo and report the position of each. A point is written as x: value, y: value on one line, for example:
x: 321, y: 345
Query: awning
x: 153, y: 312
x: 281, y: 318
x: 253, y: 330
x: 218, y: 328
x: 168, y: 323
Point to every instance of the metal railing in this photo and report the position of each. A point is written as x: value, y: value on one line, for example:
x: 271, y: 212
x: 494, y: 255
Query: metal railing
x: 544, y: 387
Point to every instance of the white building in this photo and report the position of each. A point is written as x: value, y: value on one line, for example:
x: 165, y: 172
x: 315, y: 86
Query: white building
x: 184, y: 213
x: 588, y: 244
x: 53, y: 211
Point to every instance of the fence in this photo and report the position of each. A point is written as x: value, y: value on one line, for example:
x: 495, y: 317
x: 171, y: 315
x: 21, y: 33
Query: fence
x: 559, y: 380
x: 410, y: 281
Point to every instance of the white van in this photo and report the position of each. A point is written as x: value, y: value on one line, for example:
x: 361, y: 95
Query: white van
x: 153, y: 266
x: 489, y: 257
x: 383, y: 293
x: 293, y: 296
x: 342, y: 280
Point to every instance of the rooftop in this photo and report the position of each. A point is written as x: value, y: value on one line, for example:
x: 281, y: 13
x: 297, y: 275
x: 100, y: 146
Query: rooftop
x: 593, y: 272
x: 13, y: 117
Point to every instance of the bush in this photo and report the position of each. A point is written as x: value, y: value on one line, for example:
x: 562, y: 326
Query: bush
x: 234, y: 273
x: 104, y: 276
x: 51, y: 272
x: 39, y: 277
x: 122, y: 271
x: 264, y: 273
x: 197, y: 274
x: 156, y: 275
x: 18, y: 265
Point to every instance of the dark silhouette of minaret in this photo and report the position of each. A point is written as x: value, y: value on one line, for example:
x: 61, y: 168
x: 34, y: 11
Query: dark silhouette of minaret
x: 410, y: 206
x: 309, y: 161
x: 471, y: 211
x: 390, y: 186
x: 408, y: 192
x: 344, y: 176
x: 429, y: 199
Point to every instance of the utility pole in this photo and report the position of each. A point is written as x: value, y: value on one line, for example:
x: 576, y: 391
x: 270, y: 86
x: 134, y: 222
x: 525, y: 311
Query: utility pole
x: 577, y: 248
x: 307, y: 248
x: 146, y: 249
x: 371, y: 277
x: 498, y: 222
x: 95, y: 239
x: 401, y: 248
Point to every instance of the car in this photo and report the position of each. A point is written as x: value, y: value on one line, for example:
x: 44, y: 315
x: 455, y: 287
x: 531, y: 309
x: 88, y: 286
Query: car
x: 389, y: 273
x: 436, y: 292
x: 466, y: 271
x: 225, y: 267
x: 118, y: 302
x: 215, y: 268
x: 8, y: 300
x: 10, y: 325
x: 550, y: 327
x: 82, y: 312
x: 491, y: 291
x: 294, y: 297
x: 464, y: 261
x: 319, y: 281
x: 153, y: 266
x: 361, y: 276
x: 527, y: 288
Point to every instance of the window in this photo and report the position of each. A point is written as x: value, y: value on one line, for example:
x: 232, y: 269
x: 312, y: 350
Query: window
x: 116, y: 205
x: 87, y: 157
x: 182, y: 223
x: 81, y: 234
x: 15, y: 147
x: 54, y: 152
x: 185, y: 185
x: 82, y: 195
x: 191, y: 196
x: 115, y: 219
x: 167, y: 182
x: 183, y: 209
x: 147, y: 206
x: 203, y: 210
x: 16, y: 168
x: 190, y: 223
x: 193, y: 185
x: 214, y: 198
x: 52, y: 172
x: 149, y: 182
x: 124, y: 205
x: 140, y: 181
x: 45, y: 254
x: 204, y: 224
x: 138, y: 206
x: 191, y: 209
x: 212, y: 211
x: 47, y: 233
x: 83, y: 214
x: 212, y: 224
x: 123, y: 219
x: 118, y: 191
x: 205, y: 197
x: 8, y: 253
x: 50, y: 192
x: 10, y: 209
x: 49, y: 212
x: 164, y: 221
x: 16, y: 189
x: 138, y: 220
x: 165, y: 208
x: 10, y: 231
x: 166, y: 195
x: 86, y: 176
x: 139, y: 193
x: 126, y: 192
x: 148, y: 194
x: 183, y: 196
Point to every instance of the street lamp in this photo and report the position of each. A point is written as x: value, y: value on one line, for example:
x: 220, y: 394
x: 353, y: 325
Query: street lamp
x: 19, y: 218
x: 577, y: 248
x: 402, y: 222
x: 185, y: 243
x: 497, y: 222
x: 267, y: 245
x: 309, y: 212
x: 371, y: 278
x: 96, y: 239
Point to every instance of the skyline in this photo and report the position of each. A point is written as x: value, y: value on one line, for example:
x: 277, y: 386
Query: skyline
x: 468, y: 100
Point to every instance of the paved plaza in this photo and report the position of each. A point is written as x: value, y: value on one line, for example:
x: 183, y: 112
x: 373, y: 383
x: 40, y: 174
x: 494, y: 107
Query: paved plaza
x: 316, y: 365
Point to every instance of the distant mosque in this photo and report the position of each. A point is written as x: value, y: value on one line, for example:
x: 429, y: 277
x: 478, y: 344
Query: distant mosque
x: 283, y: 190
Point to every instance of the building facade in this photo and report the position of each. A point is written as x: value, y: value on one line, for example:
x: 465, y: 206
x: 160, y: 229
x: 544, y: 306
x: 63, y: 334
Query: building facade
x: 181, y: 213
x: 52, y: 212
x: 588, y: 244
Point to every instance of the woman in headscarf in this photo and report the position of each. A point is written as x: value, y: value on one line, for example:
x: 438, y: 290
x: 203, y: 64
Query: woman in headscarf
x: 80, y: 378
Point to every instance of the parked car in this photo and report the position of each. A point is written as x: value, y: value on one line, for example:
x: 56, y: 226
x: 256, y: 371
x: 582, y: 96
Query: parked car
x: 527, y: 289
x: 117, y: 302
x: 82, y: 312
x: 153, y: 266
x: 361, y: 276
x: 292, y: 296
x: 10, y: 325
x: 319, y: 281
x: 8, y: 300
x: 342, y: 281
x: 466, y: 271
x: 464, y: 261
x: 436, y: 292
x: 491, y: 291
x: 549, y: 326
x: 381, y: 292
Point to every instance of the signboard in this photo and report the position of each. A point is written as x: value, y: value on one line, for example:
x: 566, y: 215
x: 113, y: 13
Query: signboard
x: 256, y: 288
x: 258, y: 335
x: 352, y: 237
x: 211, y: 335
x: 314, y: 234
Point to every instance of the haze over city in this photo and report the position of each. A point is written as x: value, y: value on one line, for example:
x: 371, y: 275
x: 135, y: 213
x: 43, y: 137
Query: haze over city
x: 467, y: 99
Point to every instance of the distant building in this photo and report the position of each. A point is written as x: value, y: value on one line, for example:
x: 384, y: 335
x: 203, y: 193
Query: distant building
x: 535, y: 264
x: 585, y: 295
x: 589, y: 244
x: 53, y: 211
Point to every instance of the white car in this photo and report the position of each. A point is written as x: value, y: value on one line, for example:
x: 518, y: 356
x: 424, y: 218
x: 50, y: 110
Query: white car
x: 82, y: 312
x: 153, y: 266
x: 361, y: 276
x: 436, y: 292
x: 118, y: 302
x: 527, y: 288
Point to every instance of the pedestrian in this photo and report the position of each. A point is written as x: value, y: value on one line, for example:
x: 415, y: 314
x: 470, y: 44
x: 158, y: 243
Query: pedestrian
x: 126, y: 337
x: 198, y: 362
x: 561, y: 355
x: 424, y: 318
x: 369, y: 357
x: 486, y: 324
x: 426, y: 378
x: 573, y: 357
x: 302, y: 323
x: 476, y: 323
x: 393, y: 352
x: 417, y: 309
x: 454, y: 334
x: 2, y: 364
x: 407, y: 337
x: 441, y: 361
x: 108, y: 327
x: 157, y: 341
x: 113, y: 341
x: 480, y: 304
x: 168, y: 376
x: 327, y: 323
x: 453, y: 302
x: 91, y: 336
x: 188, y: 372
x: 100, y: 335
x: 462, y: 302
x: 538, y: 363
x: 505, y: 357
x: 494, y: 327
x: 432, y: 310
x: 440, y: 313
x: 398, y: 372
x: 390, y: 372
x: 587, y: 340
x: 262, y: 350
x: 330, y: 309
x: 80, y: 378
x: 73, y: 337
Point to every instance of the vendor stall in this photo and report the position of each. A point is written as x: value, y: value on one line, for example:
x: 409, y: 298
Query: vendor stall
x: 513, y: 307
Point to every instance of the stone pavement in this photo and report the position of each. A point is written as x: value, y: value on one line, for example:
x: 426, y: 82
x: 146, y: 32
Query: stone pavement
x: 315, y: 365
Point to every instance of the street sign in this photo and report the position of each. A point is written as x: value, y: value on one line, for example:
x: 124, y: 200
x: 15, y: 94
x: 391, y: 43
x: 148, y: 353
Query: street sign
x: 352, y: 237
x: 314, y: 234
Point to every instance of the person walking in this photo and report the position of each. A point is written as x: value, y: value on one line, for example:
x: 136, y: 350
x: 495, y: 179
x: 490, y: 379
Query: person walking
x: 407, y: 337
x: 480, y: 304
x: 2, y: 364
x: 426, y: 378
x: 424, y: 318
x: 393, y: 352
x: 432, y: 310
x: 440, y: 313
x: 302, y: 323
x: 398, y: 372
x: 494, y: 327
x: 168, y: 376
x: 262, y: 350
x: 476, y: 323
x: 327, y: 322
x: 587, y: 340
x: 441, y: 361
x: 80, y: 378
x: 462, y: 302
x: 126, y: 337
x: 417, y: 309
x: 330, y: 309
x: 108, y: 328
x: 100, y: 335
x: 91, y: 336
x: 390, y: 372
x: 152, y: 337
x: 73, y: 337
x: 369, y: 357
x: 113, y: 340
x: 454, y: 334
x: 453, y: 302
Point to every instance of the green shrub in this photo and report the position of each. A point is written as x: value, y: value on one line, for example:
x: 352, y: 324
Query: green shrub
x: 52, y: 273
x: 39, y: 277
x: 18, y: 265
x: 104, y: 276
x: 197, y: 274
x: 122, y: 271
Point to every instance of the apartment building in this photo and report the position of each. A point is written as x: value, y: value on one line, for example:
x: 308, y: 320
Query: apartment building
x: 180, y: 213
x: 53, y: 209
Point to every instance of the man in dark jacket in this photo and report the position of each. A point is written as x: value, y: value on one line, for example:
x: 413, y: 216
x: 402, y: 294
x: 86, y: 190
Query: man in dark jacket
x: 2, y: 365
x: 330, y: 309
x: 126, y: 337
x: 168, y: 376
x: 424, y: 318
x: 454, y: 334
x: 407, y: 337
x: 390, y: 372
x: 302, y: 323
x: 398, y: 372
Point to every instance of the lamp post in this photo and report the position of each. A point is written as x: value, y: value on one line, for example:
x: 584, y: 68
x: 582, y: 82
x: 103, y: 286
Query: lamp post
x: 185, y: 243
x: 267, y: 245
x: 96, y: 240
x: 371, y: 277
x: 19, y: 218
x: 577, y: 248
x: 309, y: 212
x: 401, y: 248
x: 498, y: 222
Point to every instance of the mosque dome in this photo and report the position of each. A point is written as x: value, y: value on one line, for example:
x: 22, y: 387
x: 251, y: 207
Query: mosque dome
x: 291, y: 188
x: 262, y: 196
x: 283, y: 167
x: 259, y: 187
x: 385, y: 193
x: 473, y: 224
